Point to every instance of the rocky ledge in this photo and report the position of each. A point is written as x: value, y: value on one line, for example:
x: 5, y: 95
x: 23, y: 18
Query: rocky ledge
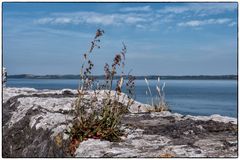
x: 34, y: 122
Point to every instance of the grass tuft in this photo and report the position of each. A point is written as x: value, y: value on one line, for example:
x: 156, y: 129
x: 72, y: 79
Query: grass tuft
x: 160, y: 103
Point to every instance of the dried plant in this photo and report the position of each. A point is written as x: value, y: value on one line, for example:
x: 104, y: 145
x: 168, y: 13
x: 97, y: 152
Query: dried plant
x: 130, y: 86
x: 91, y: 121
x: 161, y: 104
x: 86, y: 71
x: 149, y: 90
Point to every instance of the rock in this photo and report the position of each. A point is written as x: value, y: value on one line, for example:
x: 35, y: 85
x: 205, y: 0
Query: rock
x: 214, y: 117
x: 158, y: 137
x: 92, y: 148
x: 34, y: 122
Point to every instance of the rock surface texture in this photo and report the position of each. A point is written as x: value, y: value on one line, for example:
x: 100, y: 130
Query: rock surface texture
x: 34, y: 122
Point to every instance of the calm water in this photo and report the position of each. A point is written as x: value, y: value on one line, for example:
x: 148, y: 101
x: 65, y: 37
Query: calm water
x: 195, y: 97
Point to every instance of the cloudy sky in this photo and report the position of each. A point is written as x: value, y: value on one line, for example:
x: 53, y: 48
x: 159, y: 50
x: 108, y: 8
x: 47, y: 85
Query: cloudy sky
x: 161, y: 38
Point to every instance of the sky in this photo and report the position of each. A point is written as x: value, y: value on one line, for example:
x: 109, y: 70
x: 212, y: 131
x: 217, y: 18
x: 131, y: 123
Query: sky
x: 161, y: 38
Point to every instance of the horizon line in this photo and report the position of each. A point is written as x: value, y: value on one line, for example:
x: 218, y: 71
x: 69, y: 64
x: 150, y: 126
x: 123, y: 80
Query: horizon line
x: 124, y: 75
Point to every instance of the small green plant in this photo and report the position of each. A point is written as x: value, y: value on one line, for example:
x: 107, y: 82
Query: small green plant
x: 91, y: 121
x: 160, y: 104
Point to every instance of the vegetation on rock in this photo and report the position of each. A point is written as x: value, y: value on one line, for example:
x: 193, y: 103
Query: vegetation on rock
x: 99, y: 123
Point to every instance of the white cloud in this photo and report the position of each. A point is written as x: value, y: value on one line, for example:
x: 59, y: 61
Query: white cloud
x: 174, y: 9
x: 135, y: 9
x: 95, y: 18
x: 195, y: 23
x: 44, y: 20
x: 140, y: 26
x: 155, y: 18
x: 63, y: 32
x: 202, y: 9
x: 191, y: 23
x: 62, y: 20
x: 133, y: 20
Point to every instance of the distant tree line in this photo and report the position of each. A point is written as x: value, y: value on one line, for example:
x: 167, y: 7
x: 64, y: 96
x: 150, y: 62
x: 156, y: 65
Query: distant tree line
x: 150, y: 77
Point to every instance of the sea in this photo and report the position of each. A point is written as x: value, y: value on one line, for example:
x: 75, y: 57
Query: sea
x: 187, y: 97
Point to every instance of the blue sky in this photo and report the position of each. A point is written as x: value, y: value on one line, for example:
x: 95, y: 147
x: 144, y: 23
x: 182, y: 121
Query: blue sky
x: 161, y: 38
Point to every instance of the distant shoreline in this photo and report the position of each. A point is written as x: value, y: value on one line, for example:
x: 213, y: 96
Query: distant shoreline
x: 151, y: 77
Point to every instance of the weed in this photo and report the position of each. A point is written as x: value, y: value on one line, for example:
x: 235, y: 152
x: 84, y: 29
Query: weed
x: 161, y: 104
x: 91, y: 121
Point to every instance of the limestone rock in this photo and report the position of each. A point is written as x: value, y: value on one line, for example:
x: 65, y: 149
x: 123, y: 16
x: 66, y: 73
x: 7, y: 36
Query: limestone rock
x: 34, y: 122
